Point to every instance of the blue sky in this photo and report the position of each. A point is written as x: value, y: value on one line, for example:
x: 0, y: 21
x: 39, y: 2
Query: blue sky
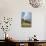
x: 26, y: 15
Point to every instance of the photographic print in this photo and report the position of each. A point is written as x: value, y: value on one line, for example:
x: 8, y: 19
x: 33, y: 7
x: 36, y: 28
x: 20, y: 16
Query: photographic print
x: 26, y: 19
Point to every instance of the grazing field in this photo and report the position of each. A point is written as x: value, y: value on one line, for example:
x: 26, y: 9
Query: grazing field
x: 25, y: 23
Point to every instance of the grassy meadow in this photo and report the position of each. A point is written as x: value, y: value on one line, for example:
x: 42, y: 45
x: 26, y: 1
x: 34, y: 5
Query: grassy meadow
x: 25, y: 23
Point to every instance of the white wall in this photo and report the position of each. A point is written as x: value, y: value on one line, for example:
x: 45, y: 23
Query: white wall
x: 13, y: 8
x: 45, y: 28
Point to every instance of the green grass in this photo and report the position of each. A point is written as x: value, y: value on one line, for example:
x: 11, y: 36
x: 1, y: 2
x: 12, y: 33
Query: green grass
x: 25, y: 23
